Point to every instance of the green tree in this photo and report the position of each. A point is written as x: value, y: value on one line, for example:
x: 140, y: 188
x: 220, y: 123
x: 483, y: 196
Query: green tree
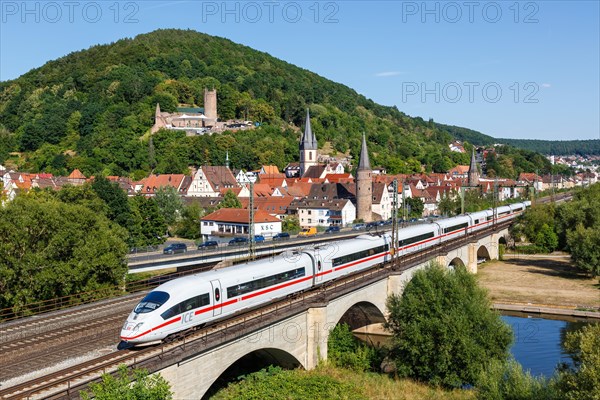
x: 188, y: 226
x: 170, y: 203
x: 83, y: 195
x: 444, y: 330
x: 582, y: 382
x: 123, y: 387
x: 546, y: 239
x: 584, y: 245
x: 149, y: 225
x: 416, y: 207
x: 291, y: 223
x: 51, y: 249
x: 230, y: 200
x: 449, y: 204
x: 115, y: 198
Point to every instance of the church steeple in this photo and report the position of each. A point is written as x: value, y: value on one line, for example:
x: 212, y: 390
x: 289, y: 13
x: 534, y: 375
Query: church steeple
x: 308, y: 141
x: 227, y: 159
x: 308, y: 147
x: 473, y: 173
x: 364, y: 156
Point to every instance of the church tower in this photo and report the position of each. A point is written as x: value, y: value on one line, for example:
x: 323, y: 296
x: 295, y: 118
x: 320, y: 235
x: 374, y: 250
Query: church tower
x: 473, y: 173
x: 364, y: 185
x: 308, y: 147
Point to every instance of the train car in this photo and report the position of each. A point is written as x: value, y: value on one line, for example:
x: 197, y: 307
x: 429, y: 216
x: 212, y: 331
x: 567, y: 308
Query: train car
x: 192, y: 301
x: 417, y: 237
x: 349, y: 256
x: 480, y: 220
x: 452, y: 228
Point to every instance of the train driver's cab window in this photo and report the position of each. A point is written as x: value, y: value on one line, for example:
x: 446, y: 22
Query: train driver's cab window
x: 151, y: 302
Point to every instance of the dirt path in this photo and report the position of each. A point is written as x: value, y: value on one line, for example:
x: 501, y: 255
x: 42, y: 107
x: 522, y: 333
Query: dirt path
x: 545, y: 279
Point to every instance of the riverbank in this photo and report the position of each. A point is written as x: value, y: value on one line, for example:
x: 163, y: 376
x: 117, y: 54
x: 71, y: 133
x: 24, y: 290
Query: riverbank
x: 540, y: 282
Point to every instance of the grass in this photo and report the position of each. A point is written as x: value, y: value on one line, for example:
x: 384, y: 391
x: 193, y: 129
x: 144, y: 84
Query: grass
x: 328, y: 382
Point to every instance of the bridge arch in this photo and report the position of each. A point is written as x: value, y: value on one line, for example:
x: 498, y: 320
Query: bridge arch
x: 362, y: 314
x: 483, y: 253
x: 252, y: 361
x: 456, y: 262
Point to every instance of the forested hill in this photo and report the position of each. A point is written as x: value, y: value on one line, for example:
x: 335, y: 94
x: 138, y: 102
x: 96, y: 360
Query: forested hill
x: 93, y: 109
x: 548, y: 147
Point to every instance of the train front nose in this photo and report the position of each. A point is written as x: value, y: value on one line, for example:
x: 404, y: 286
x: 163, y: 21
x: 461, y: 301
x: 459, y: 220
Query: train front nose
x: 131, y: 330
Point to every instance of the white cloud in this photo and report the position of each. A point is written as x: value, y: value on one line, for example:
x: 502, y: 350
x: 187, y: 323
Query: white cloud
x: 388, y: 73
x: 546, y: 85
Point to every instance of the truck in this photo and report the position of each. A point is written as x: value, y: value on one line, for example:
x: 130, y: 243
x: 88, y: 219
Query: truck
x: 308, y: 232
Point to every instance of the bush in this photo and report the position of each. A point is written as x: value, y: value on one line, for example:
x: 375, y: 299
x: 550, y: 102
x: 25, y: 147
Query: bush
x: 444, y: 331
x: 508, y: 381
x: 123, y: 387
x: 582, y: 382
x: 276, y: 383
x: 346, y: 351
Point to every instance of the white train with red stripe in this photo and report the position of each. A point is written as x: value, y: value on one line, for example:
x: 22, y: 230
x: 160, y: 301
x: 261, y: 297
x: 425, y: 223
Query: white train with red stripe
x: 192, y: 301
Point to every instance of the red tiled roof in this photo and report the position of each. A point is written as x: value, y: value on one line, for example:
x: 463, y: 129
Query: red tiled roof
x: 270, y: 169
x: 76, y: 174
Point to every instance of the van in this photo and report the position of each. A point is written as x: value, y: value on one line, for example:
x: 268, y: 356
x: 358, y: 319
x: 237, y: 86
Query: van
x: 308, y: 232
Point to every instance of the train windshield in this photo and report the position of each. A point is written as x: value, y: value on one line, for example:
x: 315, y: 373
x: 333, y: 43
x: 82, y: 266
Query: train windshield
x: 151, y: 302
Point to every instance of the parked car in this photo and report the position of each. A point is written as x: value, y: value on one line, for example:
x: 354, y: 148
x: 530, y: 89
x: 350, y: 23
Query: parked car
x: 332, y: 229
x: 209, y: 244
x: 359, y: 227
x: 259, y: 238
x: 175, y: 248
x: 308, y: 232
x: 281, y: 236
x: 238, y: 241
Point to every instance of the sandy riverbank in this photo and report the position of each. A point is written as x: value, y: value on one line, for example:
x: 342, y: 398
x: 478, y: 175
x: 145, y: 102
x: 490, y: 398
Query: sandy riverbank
x: 539, y: 279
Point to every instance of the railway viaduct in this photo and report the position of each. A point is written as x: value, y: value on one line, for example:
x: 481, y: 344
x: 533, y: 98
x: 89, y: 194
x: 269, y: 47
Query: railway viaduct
x: 300, y: 339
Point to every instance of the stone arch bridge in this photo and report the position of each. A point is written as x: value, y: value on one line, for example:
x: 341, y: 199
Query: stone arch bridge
x: 300, y: 339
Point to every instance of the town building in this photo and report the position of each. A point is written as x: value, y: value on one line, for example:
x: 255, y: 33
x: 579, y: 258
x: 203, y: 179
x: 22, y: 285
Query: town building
x: 227, y: 222
x: 312, y: 213
x: 209, y: 180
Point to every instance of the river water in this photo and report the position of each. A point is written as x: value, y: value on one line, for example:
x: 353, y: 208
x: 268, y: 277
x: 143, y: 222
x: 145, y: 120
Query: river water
x: 538, y: 342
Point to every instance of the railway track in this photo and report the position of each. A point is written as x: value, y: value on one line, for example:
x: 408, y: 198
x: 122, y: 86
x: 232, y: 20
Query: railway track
x: 67, y: 382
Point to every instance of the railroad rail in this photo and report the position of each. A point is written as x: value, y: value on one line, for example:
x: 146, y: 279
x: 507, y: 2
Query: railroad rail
x: 67, y: 383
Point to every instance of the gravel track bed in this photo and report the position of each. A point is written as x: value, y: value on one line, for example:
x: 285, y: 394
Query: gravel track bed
x: 51, y: 341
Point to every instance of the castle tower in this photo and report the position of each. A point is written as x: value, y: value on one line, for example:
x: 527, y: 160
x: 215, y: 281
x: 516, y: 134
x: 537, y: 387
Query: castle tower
x: 364, y: 185
x: 473, y: 173
x: 159, y: 120
x: 210, y: 106
x: 308, y: 147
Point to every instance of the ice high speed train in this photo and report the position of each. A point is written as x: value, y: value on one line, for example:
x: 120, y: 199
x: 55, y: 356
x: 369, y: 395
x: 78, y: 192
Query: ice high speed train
x: 190, y: 302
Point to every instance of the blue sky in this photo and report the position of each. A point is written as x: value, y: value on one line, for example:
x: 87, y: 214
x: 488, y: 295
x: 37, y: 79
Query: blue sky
x: 527, y: 69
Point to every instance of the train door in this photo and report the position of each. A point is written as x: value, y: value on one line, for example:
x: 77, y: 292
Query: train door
x: 217, y: 297
x: 319, y: 270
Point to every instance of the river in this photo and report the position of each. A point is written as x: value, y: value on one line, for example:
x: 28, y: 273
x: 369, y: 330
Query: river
x: 538, y: 344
